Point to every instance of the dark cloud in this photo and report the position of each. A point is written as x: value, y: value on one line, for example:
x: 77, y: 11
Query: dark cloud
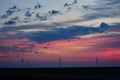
x: 37, y: 6
x: 16, y: 28
x: 85, y: 7
x: 28, y: 14
x: 65, y: 33
x: 40, y: 17
x: 10, y: 22
x: 15, y: 18
x: 70, y: 4
x: 53, y: 34
x: 10, y: 11
x: 18, y: 31
x: 66, y: 4
x: 4, y: 16
x: 75, y: 2
x: 53, y: 12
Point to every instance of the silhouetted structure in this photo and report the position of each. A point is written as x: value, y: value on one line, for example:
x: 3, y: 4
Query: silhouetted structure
x: 96, y: 61
x: 59, y: 62
x: 22, y: 60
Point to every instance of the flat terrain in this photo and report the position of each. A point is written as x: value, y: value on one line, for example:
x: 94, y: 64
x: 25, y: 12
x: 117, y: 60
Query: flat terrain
x: 104, y: 73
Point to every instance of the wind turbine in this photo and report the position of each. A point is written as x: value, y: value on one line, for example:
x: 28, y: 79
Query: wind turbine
x: 96, y: 61
x: 22, y: 59
x: 59, y: 62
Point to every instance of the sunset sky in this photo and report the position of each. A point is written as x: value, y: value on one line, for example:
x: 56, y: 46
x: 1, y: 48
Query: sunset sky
x: 37, y: 33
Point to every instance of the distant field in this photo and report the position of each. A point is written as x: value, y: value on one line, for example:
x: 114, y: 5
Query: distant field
x: 106, y: 73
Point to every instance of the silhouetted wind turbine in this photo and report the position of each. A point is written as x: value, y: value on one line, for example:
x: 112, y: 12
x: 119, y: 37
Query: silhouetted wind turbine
x: 59, y: 62
x: 22, y: 60
x: 96, y: 61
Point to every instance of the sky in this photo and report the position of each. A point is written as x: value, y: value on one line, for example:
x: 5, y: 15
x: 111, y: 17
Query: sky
x: 96, y: 11
x: 78, y: 33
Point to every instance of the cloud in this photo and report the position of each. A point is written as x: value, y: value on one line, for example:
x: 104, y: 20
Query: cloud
x: 70, y: 4
x: 76, y: 11
x: 4, y: 16
x: 40, y: 17
x: 10, y: 11
x: 10, y: 22
x: 23, y: 30
x: 65, y: 33
x: 54, y: 12
x: 38, y: 33
x: 111, y: 2
x: 13, y: 20
x: 37, y: 6
x: 28, y: 14
x: 93, y: 16
x: 103, y: 9
x: 114, y: 44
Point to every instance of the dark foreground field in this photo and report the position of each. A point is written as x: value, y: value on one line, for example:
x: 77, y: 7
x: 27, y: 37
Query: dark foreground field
x: 60, y: 74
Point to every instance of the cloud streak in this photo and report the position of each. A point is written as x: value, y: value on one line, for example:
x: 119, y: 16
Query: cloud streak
x: 103, y: 9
